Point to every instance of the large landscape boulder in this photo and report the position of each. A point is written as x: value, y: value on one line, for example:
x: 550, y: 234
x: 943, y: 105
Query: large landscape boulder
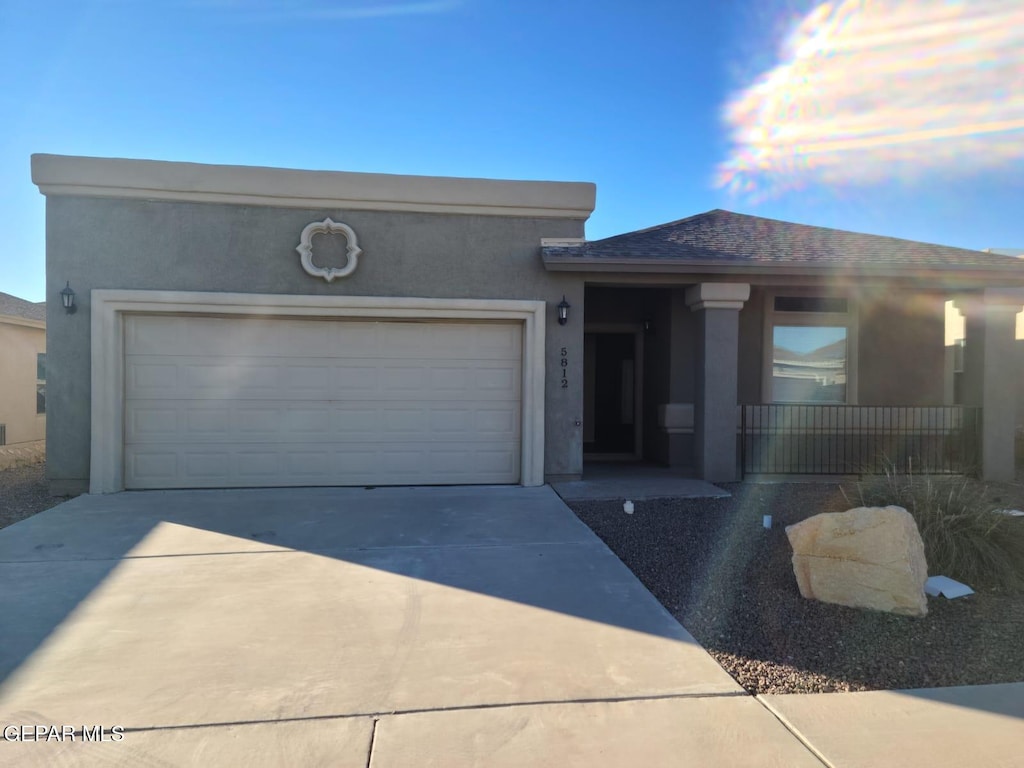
x: 869, y: 557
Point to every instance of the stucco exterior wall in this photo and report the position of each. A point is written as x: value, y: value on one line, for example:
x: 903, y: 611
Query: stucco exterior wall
x: 1019, y: 344
x: 751, y: 362
x: 657, y: 374
x: 19, y: 346
x: 98, y: 243
x: 901, y: 356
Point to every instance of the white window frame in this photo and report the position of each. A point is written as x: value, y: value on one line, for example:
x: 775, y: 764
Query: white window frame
x: 773, y: 318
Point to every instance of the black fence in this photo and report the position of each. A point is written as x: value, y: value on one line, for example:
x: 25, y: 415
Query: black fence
x: 858, y: 439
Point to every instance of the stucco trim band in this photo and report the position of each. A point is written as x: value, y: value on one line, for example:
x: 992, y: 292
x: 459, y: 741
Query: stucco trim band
x: 109, y: 308
x: 287, y: 188
x: 23, y: 321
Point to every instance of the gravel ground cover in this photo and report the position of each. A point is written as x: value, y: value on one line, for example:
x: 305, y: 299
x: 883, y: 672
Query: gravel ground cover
x: 23, y: 492
x: 730, y: 582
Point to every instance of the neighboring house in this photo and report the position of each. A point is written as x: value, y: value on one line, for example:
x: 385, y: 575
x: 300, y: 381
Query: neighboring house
x: 22, y: 378
x: 254, y: 326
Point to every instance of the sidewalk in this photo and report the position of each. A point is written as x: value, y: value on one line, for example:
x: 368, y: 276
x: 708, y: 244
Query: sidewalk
x: 980, y: 725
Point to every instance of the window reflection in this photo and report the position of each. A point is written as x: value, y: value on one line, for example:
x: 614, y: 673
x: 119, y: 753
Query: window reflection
x: 809, y: 364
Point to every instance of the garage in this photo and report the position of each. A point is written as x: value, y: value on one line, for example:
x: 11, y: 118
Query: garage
x: 244, y: 401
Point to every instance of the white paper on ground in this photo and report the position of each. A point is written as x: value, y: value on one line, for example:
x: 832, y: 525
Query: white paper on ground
x: 1010, y: 512
x: 949, y: 588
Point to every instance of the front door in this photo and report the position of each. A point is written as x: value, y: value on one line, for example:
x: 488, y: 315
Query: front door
x: 610, y: 394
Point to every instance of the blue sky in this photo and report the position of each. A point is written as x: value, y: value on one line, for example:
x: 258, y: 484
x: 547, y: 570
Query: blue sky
x: 900, y: 118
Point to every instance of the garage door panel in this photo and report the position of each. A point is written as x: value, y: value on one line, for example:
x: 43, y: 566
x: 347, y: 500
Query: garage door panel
x: 504, y: 421
x: 257, y: 422
x: 249, y: 378
x: 207, y: 420
x: 305, y: 421
x: 454, y: 462
x: 224, y: 336
x: 400, y: 380
x: 147, y: 424
x: 154, y: 423
x: 254, y: 465
x: 159, y: 467
x: 207, y: 464
x: 152, y: 376
x: 253, y: 402
x: 354, y: 378
x: 314, y: 380
x: 451, y: 420
x: 199, y: 378
x: 276, y: 465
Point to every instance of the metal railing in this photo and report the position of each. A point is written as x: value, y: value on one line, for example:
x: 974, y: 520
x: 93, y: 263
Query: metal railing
x: 858, y: 439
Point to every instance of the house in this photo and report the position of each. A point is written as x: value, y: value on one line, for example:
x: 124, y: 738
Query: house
x: 22, y: 380
x: 1019, y: 376
x: 955, y: 338
x: 243, y: 326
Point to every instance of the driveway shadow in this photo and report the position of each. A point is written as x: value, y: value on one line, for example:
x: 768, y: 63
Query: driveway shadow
x: 500, y: 574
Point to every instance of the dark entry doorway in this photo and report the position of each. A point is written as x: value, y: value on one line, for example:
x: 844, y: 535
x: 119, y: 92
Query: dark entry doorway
x: 611, y: 388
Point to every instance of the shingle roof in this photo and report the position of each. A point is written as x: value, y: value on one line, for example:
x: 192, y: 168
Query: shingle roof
x: 13, y: 306
x: 739, y: 239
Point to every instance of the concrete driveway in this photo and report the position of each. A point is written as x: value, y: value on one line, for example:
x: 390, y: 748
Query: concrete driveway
x: 353, y: 627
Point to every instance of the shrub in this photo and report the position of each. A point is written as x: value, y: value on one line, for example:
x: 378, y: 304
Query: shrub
x: 964, y: 536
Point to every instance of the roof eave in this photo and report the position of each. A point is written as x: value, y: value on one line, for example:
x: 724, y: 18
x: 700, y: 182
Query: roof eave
x: 702, y: 267
x: 289, y: 188
x: 27, y: 322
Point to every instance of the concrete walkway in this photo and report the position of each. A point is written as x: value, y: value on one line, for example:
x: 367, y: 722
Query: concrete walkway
x: 980, y: 725
x: 606, y: 481
x: 387, y: 627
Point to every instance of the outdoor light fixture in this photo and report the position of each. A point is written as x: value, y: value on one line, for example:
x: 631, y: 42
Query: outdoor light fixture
x: 648, y: 326
x: 67, y: 298
x: 563, y: 311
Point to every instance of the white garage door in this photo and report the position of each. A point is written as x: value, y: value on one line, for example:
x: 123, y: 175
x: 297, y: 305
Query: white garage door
x: 244, y: 402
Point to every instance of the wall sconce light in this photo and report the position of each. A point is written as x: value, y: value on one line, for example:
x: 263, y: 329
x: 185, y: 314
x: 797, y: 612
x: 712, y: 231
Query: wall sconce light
x: 563, y: 311
x: 67, y: 298
x: 648, y: 326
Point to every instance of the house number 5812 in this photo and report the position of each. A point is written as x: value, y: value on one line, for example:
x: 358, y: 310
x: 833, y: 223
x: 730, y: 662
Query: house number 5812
x: 565, y: 368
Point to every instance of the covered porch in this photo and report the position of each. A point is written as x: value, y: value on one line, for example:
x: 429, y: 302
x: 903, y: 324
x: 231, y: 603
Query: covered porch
x: 843, y: 334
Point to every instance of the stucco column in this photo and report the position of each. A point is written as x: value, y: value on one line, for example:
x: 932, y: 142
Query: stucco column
x: 990, y: 373
x: 714, y: 414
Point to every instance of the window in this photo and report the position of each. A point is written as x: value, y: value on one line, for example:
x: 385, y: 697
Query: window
x: 819, y: 304
x: 812, y: 342
x: 958, y: 371
x: 809, y: 364
x: 41, y: 382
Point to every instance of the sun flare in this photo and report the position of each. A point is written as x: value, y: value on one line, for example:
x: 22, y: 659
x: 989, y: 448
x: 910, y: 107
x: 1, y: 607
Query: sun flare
x: 871, y: 89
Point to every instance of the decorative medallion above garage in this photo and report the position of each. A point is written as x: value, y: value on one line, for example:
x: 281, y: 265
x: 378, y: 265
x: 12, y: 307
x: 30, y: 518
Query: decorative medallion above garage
x: 328, y: 227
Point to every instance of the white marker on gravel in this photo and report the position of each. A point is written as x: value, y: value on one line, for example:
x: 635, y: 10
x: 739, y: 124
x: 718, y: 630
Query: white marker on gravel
x: 766, y: 521
x: 628, y: 507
